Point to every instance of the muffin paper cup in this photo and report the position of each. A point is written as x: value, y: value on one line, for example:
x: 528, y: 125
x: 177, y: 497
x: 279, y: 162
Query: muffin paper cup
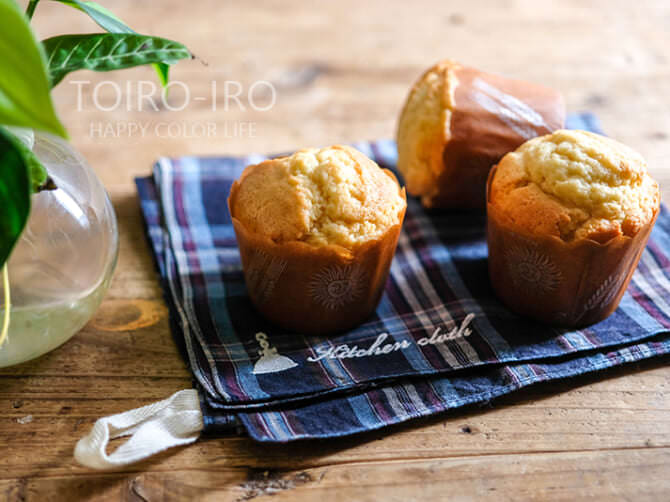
x: 569, y: 284
x: 314, y: 290
x: 492, y: 116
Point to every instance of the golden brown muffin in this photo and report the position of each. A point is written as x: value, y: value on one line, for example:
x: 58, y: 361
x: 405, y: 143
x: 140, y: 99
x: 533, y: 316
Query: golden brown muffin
x: 457, y: 122
x: 569, y: 214
x: 317, y: 232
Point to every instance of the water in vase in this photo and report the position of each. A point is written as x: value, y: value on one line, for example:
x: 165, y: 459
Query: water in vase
x: 62, y: 265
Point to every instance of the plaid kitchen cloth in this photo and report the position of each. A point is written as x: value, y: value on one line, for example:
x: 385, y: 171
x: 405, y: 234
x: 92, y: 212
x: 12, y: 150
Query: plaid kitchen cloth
x: 438, y: 340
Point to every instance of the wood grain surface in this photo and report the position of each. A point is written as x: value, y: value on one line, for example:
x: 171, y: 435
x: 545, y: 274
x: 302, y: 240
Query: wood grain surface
x: 341, y: 71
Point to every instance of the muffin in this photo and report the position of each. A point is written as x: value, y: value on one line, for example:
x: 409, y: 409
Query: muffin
x: 317, y: 231
x: 457, y: 122
x: 569, y: 215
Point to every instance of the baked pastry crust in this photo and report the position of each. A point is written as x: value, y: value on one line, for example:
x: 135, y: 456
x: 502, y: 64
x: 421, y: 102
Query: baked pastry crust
x: 333, y: 195
x: 458, y: 121
x: 317, y: 232
x: 575, y: 185
x: 569, y: 215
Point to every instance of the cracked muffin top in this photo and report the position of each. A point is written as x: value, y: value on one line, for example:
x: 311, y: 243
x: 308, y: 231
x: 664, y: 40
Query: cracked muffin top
x: 575, y: 185
x: 334, y: 195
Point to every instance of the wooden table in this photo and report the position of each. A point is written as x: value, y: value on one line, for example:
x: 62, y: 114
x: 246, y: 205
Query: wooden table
x: 341, y: 70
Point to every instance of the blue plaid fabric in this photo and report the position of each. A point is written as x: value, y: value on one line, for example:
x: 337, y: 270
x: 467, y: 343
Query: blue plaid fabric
x: 438, y: 340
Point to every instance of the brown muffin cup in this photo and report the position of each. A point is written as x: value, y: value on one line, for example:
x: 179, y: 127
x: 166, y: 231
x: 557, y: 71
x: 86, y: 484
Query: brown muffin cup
x: 481, y: 135
x: 315, y: 290
x: 490, y: 115
x: 568, y: 284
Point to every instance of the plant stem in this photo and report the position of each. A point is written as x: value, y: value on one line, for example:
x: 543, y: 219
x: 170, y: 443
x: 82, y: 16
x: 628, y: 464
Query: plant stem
x: 8, y: 303
x: 31, y: 8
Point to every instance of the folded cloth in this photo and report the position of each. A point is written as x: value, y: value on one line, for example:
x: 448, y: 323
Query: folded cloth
x: 438, y: 340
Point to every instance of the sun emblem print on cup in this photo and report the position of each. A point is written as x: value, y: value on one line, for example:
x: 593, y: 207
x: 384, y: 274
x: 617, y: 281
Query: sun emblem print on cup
x: 530, y: 268
x: 336, y: 286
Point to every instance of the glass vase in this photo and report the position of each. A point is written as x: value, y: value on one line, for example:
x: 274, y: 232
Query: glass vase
x: 63, y: 263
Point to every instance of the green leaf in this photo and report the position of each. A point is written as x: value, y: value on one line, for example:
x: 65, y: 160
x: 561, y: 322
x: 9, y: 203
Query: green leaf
x: 14, y: 194
x: 36, y: 170
x: 163, y: 71
x: 107, y: 52
x: 102, y: 16
x: 30, y: 10
x: 24, y: 85
x: 108, y: 21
